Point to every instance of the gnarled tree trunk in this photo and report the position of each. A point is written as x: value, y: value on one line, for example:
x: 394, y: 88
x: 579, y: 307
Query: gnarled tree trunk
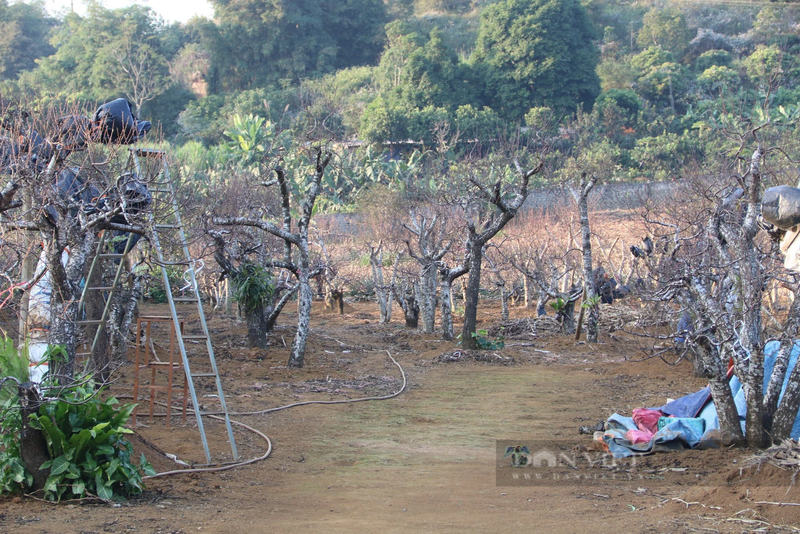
x: 32, y: 446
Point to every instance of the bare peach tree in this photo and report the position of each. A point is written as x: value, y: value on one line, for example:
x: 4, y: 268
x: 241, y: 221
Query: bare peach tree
x: 551, y: 274
x: 261, y: 298
x: 447, y: 275
x: 301, y: 266
x: 430, y: 249
x: 496, y: 263
x: 504, y: 205
x: 590, y: 301
x: 383, y: 291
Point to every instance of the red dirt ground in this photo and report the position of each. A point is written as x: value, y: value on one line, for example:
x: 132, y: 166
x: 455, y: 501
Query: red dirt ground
x: 425, y: 460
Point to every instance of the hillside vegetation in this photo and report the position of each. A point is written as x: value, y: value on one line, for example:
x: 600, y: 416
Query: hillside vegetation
x: 652, y: 86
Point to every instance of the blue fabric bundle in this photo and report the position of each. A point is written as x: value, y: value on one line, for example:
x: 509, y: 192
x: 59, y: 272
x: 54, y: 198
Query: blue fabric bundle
x: 684, y: 430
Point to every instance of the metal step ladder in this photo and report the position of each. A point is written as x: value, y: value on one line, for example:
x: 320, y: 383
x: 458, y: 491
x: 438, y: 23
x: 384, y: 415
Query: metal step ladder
x: 166, y: 226
x: 94, y: 327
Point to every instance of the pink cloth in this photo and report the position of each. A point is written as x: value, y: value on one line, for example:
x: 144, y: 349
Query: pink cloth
x: 647, y: 419
x: 639, y: 436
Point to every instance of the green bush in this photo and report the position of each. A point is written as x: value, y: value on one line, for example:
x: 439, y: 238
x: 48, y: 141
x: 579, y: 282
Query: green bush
x: 483, y: 342
x: 13, y: 477
x: 253, y: 286
x: 624, y: 98
x: 712, y: 58
x: 156, y: 291
x: 12, y: 364
x: 89, y: 454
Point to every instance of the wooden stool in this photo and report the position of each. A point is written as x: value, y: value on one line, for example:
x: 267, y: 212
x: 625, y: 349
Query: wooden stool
x: 142, y: 361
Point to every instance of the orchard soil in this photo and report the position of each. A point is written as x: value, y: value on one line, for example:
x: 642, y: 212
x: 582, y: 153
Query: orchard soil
x: 424, y: 461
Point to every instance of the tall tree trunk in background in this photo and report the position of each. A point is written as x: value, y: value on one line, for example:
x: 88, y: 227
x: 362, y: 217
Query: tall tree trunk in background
x: 582, y: 198
x: 503, y: 301
x: 26, y: 271
x: 427, y: 296
x: 472, y: 294
x: 445, y: 288
x: 527, y: 291
x: 382, y: 292
x: 446, y: 278
x: 500, y: 283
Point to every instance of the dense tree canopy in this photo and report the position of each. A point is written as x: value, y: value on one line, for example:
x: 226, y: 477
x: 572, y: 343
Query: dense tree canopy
x: 24, y: 37
x: 273, y: 42
x: 448, y: 76
x: 95, y: 55
x: 537, y: 53
x: 666, y: 28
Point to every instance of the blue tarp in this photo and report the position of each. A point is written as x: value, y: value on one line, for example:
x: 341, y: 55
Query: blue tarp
x: 688, y: 406
x: 682, y: 434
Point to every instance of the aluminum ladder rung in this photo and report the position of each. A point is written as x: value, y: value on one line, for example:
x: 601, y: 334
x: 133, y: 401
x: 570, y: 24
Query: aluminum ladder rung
x: 174, y: 263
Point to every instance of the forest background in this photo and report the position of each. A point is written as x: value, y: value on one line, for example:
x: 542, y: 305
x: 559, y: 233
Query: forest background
x: 653, y: 86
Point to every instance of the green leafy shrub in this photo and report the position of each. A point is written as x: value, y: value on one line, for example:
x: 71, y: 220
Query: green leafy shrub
x: 13, y: 477
x: 156, y: 291
x: 90, y: 455
x: 485, y: 343
x: 712, y: 58
x: 12, y: 364
x: 253, y: 285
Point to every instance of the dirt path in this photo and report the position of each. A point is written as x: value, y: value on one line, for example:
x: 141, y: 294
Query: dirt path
x: 425, y: 461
